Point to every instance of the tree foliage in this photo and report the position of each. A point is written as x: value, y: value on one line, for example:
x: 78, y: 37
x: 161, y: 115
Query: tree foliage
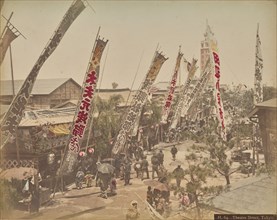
x: 106, y: 124
x: 196, y: 174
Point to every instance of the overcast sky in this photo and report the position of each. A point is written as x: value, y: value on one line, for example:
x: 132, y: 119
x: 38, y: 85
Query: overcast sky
x: 134, y: 29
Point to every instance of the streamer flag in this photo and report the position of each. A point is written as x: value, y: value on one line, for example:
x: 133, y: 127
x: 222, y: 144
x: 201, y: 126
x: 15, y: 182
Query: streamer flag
x: 258, y: 89
x: 198, y: 89
x: 191, y: 67
x: 84, y: 109
x: 15, y: 112
x: 258, y: 95
x: 170, y: 94
x: 138, y: 102
x: 215, y: 62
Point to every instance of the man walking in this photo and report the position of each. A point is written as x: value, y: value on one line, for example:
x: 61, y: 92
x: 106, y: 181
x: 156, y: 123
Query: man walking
x: 160, y: 156
x: 179, y: 174
x: 174, y: 152
x: 155, y: 165
x: 127, y: 172
x: 144, y: 167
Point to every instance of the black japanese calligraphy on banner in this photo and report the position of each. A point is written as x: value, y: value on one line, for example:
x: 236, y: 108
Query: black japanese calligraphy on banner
x: 170, y: 94
x: 15, y: 112
x: 84, y: 109
x: 184, y: 94
x: 138, y: 102
x: 258, y: 92
x: 198, y: 89
x: 258, y: 89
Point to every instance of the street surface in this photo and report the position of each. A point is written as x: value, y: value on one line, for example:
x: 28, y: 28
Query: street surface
x: 85, y: 203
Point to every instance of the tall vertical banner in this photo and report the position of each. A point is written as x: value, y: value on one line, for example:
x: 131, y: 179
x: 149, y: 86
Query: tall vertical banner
x: 170, y: 94
x: 84, y: 109
x: 138, y: 102
x: 191, y: 67
x: 192, y: 96
x: 15, y: 111
x: 151, y: 90
x: 258, y: 88
x: 9, y: 35
x: 215, y: 62
x: 258, y: 92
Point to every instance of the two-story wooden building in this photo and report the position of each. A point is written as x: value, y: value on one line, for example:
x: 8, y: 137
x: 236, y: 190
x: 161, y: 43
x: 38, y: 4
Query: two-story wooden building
x: 46, y: 93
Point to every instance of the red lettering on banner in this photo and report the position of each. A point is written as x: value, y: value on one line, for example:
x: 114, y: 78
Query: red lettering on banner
x: 85, y: 104
x: 167, y: 104
x: 78, y: 130
x: 216, y: 58
x: 217, y: 85
x: 169, y: 97
x: 88, y: 91
x: 91, y: 79
x: 173, y: 82
x: 217, y: 71
x: 218, y: 99
x: 82, y: 117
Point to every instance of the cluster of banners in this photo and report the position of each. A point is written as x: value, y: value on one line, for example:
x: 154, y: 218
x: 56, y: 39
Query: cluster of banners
x: 168, y: 100
x: 84, y: 109
x: 15, y: 112
x: 215, y: 62
x: 10, y: 33
x: 197, y: 90
x: 184, y: 95
x: 138, y: 102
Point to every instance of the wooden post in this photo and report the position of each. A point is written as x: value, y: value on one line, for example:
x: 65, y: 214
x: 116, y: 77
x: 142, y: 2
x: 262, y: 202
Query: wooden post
x: 62, y: 175
x: 11, y: 60
x: 17, y: 145
x: 36, y: 174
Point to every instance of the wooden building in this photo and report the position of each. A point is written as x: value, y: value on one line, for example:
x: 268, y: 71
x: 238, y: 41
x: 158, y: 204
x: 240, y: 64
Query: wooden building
x: 46, y: 93
x: 266, y: 113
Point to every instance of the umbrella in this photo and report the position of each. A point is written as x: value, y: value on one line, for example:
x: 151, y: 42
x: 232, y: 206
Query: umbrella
x: 105, y: 168
x: 161, y: 187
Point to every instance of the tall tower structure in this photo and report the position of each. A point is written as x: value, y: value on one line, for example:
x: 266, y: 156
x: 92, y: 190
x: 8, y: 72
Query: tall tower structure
x: 204, y: 56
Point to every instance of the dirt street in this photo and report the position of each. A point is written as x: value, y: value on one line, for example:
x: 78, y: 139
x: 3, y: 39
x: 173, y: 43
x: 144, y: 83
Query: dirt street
x: 86, y: 203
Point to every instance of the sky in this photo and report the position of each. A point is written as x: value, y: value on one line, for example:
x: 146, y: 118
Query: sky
x: 135, y: 29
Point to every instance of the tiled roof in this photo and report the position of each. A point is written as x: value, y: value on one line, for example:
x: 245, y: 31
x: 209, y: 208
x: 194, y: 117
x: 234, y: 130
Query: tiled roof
x: 254, y: 195
x: 47, y: 116
x: 271, y: 103
x: 41, y: 86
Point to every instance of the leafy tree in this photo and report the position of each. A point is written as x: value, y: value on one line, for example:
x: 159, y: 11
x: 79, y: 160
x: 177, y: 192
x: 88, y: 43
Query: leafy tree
x: 197, y: 172
x: 216, y: 148
x: 10, y: 195
x: 155, y: 113
x: 106, y: 124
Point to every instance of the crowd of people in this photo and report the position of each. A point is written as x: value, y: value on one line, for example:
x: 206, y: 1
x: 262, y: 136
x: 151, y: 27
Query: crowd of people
x: 120, y: 168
